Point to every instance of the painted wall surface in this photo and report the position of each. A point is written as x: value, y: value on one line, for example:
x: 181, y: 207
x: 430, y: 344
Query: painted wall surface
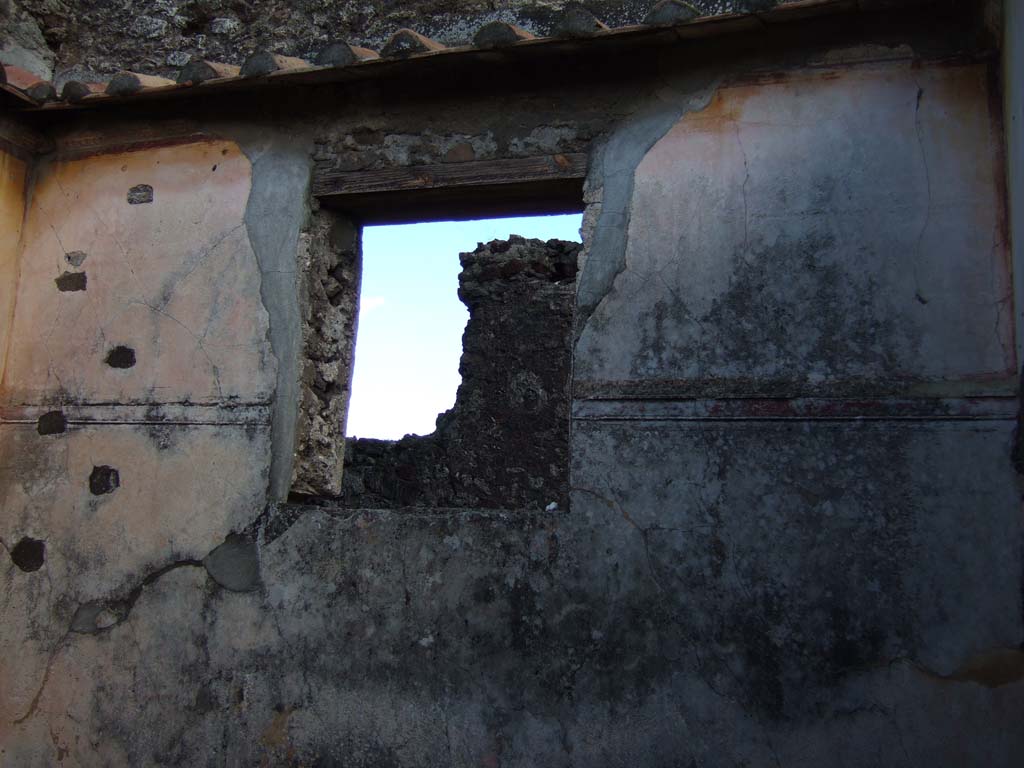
x: 173, y: 278
x: 125, y: 463
x: 1013, y: 107
x: 821, y: 234
x: 797, y: 391
x: 12, y: 211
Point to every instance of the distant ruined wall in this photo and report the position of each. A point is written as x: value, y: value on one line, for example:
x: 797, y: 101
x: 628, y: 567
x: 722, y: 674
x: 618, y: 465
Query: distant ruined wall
x: 505, y: 442
x: 72, y: 38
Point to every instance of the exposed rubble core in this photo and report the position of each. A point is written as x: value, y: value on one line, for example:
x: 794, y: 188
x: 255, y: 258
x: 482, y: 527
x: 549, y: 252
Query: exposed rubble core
x: 330, y: 258
x: 504, y: 445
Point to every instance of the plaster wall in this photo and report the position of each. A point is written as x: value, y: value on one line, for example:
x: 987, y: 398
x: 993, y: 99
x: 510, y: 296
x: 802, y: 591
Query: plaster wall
x: 813, y: 305
x: 795, y: 527
x: 13, y: 179
x: 1013, y: 94
x: 136, y: 428
x: 173, y: 278
x: 821, y: 233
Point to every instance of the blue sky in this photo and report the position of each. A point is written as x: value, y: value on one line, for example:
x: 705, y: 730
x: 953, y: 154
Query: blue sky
x: 411, y: 320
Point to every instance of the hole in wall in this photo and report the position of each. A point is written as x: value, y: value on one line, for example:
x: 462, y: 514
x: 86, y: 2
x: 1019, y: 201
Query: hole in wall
x: 140, y: 194
x: 52, y: 423
x: 411, y: 320
x: 71, y: 281
x: 29, y: 554
x: 121, y: 357
x: 104, y: 479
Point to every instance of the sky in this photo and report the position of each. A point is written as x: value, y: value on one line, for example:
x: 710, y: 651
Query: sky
x: 409, y: 338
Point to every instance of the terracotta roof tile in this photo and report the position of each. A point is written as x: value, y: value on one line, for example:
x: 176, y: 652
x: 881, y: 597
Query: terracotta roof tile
x: 577, y: 21
x: 341, y: 54
x: 265, y: 62
x: 128, y: 83
x: 199, y: 71
x: 406, y: 47
x: 717, y: 26
x: 19, y: 78
x: 24, y: 88
x: 406, y: 42
x: 667, y: 13
x: 794, y: 10
x: 497, y: 34
x: 42, y: 92
x: 75, y: 90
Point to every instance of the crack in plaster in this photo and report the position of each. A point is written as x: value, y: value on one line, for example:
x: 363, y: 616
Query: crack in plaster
x: 919, y: 132
x: 34, y: 704
x: 616, y: 507
x: 214, y: 370
x: 743, y: 190
x: 120, y: 608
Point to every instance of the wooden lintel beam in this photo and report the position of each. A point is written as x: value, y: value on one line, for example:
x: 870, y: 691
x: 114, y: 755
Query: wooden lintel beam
x: 450, y: 176
x: 536, y: 198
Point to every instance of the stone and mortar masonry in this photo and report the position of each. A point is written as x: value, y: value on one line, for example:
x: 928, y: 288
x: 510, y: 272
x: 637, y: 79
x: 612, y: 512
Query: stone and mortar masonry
x: 329, y: 255
x: 505, y: 443
x: 73, y: 39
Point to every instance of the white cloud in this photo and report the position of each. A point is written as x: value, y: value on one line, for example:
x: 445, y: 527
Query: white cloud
x: 369, y: 303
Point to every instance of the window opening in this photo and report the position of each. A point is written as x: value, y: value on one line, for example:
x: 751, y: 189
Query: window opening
x: 411, y: 320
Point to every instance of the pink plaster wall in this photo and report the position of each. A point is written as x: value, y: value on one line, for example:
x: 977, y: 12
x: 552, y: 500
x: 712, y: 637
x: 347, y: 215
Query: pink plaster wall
x: 175, y: 279
x: 12, y: 211
x: 187, y: 427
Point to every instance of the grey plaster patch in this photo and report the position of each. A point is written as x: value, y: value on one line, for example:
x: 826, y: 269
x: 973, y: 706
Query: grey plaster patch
x: 22, y: 43
x: 614, y: 166
x: 75, y: 258
x: 90, y: 618
x: 720, y: 512
x: 235, y: 564
x: 1013, y: 109
x: 274, y: 215
x: 97, y: 616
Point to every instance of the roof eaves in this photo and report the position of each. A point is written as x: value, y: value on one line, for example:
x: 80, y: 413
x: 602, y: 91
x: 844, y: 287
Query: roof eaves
x: 407, y: 49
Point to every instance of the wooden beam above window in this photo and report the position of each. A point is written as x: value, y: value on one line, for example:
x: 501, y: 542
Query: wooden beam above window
x: 447, y: 191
